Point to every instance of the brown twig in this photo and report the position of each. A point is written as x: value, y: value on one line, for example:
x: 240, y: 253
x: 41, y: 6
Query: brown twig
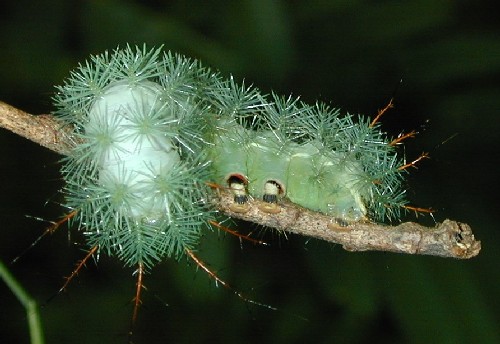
x: 43, y: 129
x: 447, y: 239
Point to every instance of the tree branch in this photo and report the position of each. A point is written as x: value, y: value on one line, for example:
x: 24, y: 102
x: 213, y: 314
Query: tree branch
x: 447, y: 239
x: 42, y: 129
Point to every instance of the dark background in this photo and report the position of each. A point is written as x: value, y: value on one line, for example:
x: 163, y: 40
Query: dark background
x: 350, y: 53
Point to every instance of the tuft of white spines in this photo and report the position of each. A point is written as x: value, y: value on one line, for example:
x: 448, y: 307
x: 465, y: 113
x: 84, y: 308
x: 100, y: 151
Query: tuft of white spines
x: 153, y: 127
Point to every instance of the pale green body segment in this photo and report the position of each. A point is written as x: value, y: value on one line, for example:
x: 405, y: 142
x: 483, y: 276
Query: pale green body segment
x: 307, y: 177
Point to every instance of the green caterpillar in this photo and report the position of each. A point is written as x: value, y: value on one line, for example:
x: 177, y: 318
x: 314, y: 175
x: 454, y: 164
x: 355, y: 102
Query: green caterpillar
x: 315, y: 157
x: 155, y: 127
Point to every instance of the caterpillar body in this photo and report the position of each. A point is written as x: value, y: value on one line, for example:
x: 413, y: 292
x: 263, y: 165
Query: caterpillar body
x: 153, y: 128
x: 315, y: 158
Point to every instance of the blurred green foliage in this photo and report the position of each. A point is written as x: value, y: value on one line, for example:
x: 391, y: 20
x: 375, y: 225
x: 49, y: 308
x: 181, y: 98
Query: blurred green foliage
x: 350, y: 53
